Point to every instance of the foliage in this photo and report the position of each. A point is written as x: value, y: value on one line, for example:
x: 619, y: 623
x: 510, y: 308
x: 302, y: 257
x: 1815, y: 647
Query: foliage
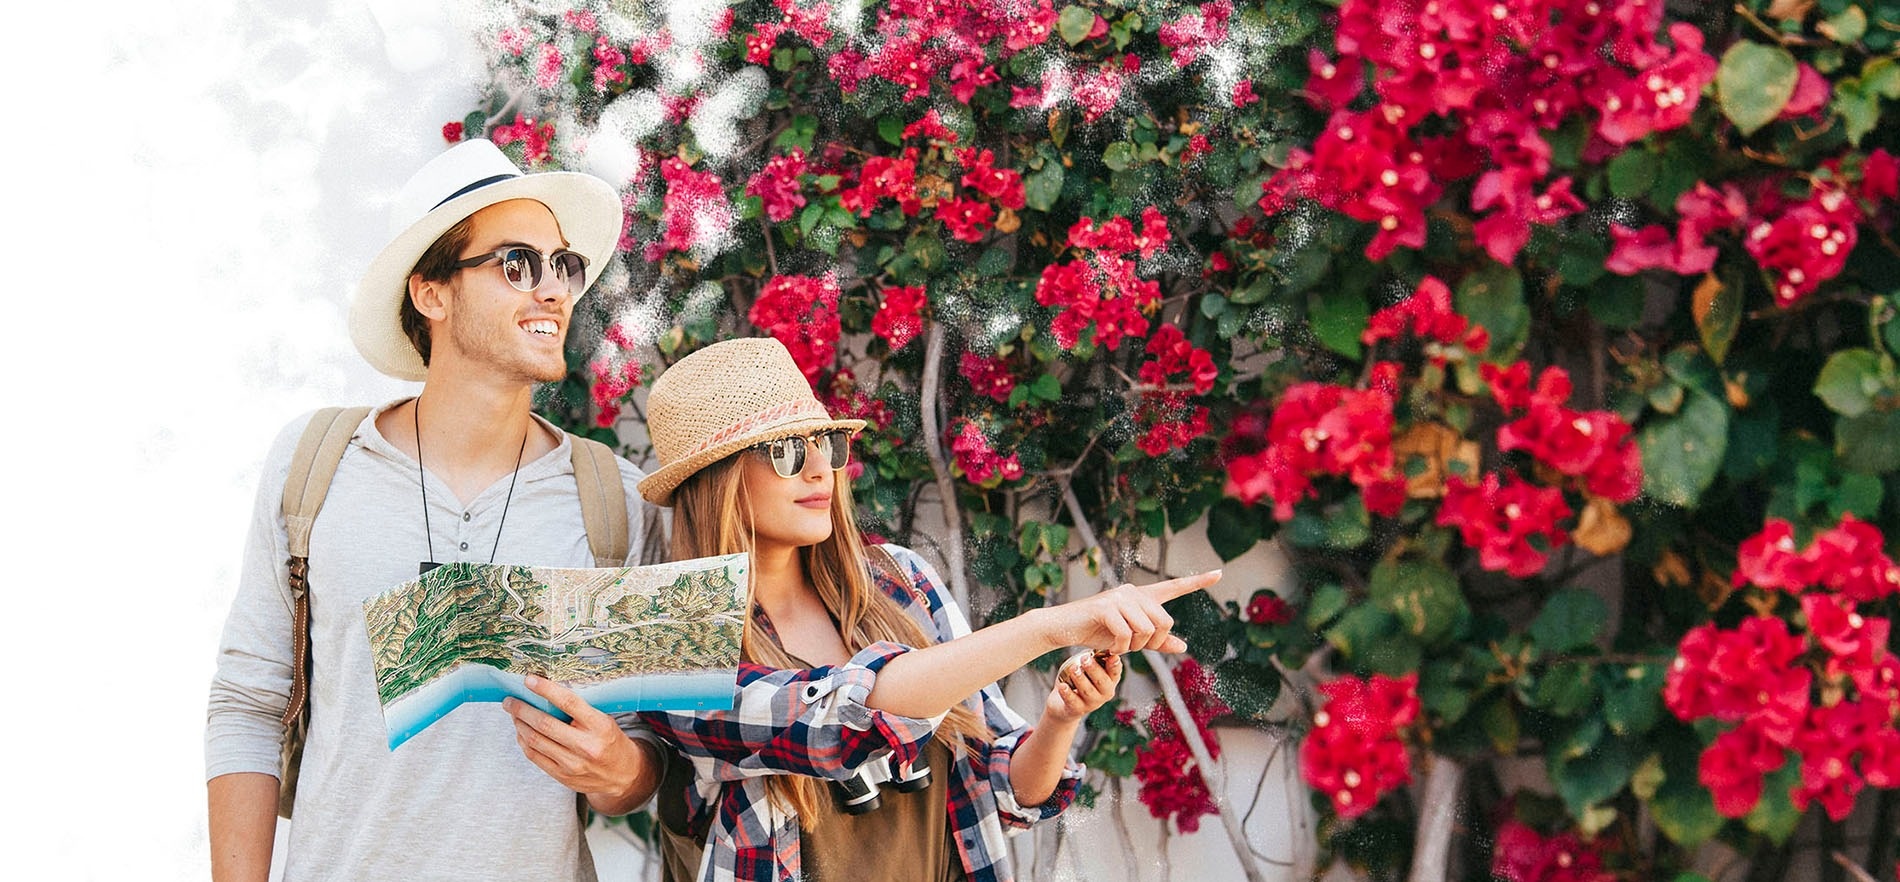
x: 1507, y: 323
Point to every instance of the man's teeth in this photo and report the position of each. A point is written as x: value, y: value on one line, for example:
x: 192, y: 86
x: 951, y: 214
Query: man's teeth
x: 547, y: 328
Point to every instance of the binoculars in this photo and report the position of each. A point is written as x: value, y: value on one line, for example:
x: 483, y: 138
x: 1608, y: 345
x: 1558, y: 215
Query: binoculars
x: 860, y: 792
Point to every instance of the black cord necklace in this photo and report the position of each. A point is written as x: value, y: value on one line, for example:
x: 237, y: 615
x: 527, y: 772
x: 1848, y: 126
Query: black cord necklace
x: 422, y: 479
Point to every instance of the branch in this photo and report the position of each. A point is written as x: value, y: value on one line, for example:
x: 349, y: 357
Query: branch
x: 933, y: 444
x: 1860, y: 874
x: 1437, y: 819
x: 1184, y: 721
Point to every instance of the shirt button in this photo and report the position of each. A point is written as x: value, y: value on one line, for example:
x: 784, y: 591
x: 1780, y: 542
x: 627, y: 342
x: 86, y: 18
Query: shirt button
x: 465, y: 546
x: 465, y: 516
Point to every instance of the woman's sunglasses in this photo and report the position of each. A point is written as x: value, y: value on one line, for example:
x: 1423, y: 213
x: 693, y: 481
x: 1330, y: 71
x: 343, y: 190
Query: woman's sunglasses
x: 787, y: 455
x: 522, y: 267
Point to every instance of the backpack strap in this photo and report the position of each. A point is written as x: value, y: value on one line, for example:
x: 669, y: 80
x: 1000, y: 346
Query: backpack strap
x: 882, y: 559
x: 312, y: 466
x: 603, y: 500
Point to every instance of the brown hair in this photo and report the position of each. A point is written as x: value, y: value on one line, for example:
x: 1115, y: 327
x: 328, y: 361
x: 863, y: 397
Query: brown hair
x: 437, y: 264
x: 710, y: 518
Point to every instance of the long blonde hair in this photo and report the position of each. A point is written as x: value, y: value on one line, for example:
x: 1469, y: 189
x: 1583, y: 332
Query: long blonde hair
x: 710, y: 517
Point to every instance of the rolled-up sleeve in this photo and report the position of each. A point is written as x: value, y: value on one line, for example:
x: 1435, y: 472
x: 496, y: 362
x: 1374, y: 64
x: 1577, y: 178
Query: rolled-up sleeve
x: 804, y: 721
x: 251, y: 687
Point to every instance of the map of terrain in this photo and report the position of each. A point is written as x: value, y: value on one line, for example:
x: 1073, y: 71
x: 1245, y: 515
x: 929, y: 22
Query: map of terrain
x: 662, y: 637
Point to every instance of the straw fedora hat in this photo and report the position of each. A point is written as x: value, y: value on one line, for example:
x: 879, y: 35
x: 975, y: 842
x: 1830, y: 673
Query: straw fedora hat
x: 460, y: 181
x: 723, y: 399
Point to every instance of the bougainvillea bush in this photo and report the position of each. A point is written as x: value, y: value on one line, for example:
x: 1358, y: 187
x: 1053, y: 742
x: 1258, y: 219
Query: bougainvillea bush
x: 1552, y: 343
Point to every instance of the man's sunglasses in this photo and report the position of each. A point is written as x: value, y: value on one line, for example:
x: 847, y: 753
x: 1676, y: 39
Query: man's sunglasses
x: 788, y: 454
x: 522, y: 267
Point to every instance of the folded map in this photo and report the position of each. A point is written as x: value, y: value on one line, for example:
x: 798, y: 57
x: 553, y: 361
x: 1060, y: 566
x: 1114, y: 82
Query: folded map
x: 662, y: 637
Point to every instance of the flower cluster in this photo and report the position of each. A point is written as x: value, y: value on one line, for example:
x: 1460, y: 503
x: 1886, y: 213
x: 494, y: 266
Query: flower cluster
x: 899, y: 319
x: 802, y: 312
x: 884, y: 177
x: 1593, y: 448
x: 1191, y: 35
x: 1503, y: 74
x: 1170, y: 787
x: 916, y: 43
x: 1267, y: 608
x: 1800, y: 243
x: 777, y: 185
x: 1354, y: 754
x: 1320, y: 429
x: 1170, y: 420
x: 979, y: 462
x: 1525, y: 855
x: 1764, y: 677
x: 1100, y: 288
x: 614, y: 380
x: 535, y: 138
x: 694, y: 212
x: 1502, y: 520
x: 988, y: 376
x: 1427, y: 315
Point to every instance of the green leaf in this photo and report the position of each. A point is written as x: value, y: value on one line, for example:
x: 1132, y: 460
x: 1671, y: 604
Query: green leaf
x: 809, y: 218
x: 1249, y: 689
x: 1494, y: 297
x: 1594, y: 777
x: 891, y: 129
x: 1499, y: 720
x: 1632, y: 173
x: 1232, y: 529
x: 1717, y: 306
x: 1847, y: 27
x: 1564, y: 690
x: 1338, y: 317
x: 1685, y: 812
x: 475, y: 125
x: 1326, y: 603
x: 1857, y: 494
x: 1683, y: 453
x: 1632, y: 699
x: 1570, y: 619
x: 1076, y: 22
x: 1422, y: 594
x: 1859, y: 107
x: 1047, y: 388
x: 1617, y: 301
x: 1849, y: 381
x: 1362, y: 628
x: 1754, y: 83
x: 1041, y: 189
x: 1866, y: 443
x: 1775, y: 816
x: 1030, y: 538
x: 1118, y: 155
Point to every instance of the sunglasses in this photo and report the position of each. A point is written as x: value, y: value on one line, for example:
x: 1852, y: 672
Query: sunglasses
x: 522, y: 267
x: 787, y: 455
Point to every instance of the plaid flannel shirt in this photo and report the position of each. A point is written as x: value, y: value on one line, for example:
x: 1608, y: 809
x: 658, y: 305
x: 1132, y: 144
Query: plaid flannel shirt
x: 814, y: 722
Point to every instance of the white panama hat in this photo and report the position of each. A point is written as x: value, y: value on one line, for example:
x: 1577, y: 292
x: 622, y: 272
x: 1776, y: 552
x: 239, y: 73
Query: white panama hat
x: 460, y: 181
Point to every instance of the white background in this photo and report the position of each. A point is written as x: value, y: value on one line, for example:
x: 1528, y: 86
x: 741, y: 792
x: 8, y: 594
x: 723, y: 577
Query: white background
x: 194, y: 187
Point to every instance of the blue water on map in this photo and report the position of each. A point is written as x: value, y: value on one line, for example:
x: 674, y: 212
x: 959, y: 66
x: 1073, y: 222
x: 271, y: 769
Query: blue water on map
x: 698, y: 690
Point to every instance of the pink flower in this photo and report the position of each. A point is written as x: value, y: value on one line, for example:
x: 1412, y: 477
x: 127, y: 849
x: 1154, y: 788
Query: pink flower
x: 977, y: 461
x: 777, y: 185
x: 1195, y: 32
x: 694, y: 211
x: 987, y: 376
x: 549, y: 67
x: 1811, y: 91
x: 1244, y: 94
x: 1098, y: 92
x: 802, y: 312
x: 899, y: 318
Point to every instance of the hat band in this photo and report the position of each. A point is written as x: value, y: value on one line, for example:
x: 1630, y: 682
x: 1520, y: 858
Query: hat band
x: 496, y: 179
x: 779, y: 413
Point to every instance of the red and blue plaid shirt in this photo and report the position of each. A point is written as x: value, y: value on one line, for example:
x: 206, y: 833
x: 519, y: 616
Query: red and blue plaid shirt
x: 814, y: 722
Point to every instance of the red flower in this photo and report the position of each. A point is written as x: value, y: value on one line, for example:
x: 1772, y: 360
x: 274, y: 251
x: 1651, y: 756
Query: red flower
x: 534, y: 138
x: 1733, y: 766
x: 694, y: 212
x: 1244, y: 94
x: 1320, y: 429
x: 1005, y: 185
x: 802, y: 312
x: 1660, y: 98
x: 977, y: 461
x: 1849, y: 559
x: 1098, y: 92
x: 988, y: 376
x: 1332, y: 85
x: 1427, y: 314
x: 1266, y: 608
x: 966, y: 219
x: 1191, y: 35
x: 930, y: 125
x: 899, y: 318
x: 1501, y: 520
x: 777, y: 185
x: 1811, y: 91
x: 1856, y: 641
x: 613, y: 382
x: 452, y: 132
x: 1173, y: 354
x: 1353, y: 754
x: 885, y: 177
x: 1524, y: 855
x: 1769, y: 559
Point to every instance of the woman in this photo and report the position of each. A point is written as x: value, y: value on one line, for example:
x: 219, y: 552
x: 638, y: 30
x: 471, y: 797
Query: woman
x: 826, y: 768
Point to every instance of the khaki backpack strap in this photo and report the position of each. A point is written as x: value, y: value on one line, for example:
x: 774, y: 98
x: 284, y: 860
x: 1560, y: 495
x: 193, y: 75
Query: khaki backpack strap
x: 603, y: 501
x: 883, y: 559
x: 312, y: 466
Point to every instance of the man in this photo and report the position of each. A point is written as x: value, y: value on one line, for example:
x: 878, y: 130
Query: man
x: 472, y: 296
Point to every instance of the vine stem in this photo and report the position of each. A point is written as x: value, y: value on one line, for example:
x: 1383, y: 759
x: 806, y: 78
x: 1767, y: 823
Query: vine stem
x: 1859, y: 873
x: 933, y: 443
x: 1171, y: 691
x: 1437, y: 820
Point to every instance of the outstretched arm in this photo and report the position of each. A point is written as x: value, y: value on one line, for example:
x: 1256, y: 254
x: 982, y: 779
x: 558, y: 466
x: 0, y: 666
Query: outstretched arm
x: 243, y: 820
x: 928, y: 681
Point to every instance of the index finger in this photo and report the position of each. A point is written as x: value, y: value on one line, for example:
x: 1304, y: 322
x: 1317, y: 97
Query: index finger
x: 560, y: 696
x: 1185, y: 585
